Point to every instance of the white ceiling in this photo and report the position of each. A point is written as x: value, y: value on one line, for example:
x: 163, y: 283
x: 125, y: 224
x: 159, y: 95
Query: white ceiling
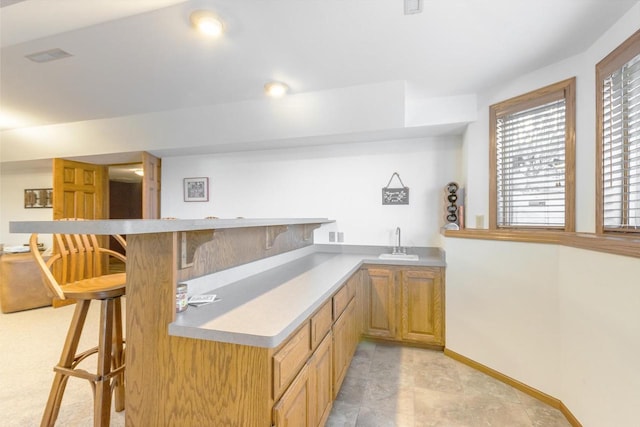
x: 140, y: 56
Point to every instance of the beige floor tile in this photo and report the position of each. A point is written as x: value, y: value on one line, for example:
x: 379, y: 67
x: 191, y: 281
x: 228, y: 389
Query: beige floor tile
x: 393, y: 385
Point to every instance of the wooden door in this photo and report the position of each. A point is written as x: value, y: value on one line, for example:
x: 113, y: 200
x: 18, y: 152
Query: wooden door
x: 320, y: 377
x: 380, y: 303
x: 422, y: 306
x: 151, y: 167
x: 294, y: 408
x: 80, y: 190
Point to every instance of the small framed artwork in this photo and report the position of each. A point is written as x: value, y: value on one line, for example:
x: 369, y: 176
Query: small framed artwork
x: 196, y: 189
x: 38, y: 198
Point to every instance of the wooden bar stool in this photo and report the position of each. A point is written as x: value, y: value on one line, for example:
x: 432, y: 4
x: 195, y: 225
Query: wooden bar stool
x: 75, y: 271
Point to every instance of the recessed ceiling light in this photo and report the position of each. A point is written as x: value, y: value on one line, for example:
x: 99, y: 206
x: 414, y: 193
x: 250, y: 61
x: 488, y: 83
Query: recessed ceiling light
x: 276, y: 89
x: 207, y: 23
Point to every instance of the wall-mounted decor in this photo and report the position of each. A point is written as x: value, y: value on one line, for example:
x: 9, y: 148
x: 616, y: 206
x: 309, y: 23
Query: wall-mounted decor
x: 454, y: 206
x: 38, y: 198
x: 395, y: 195
x: 196, y: 189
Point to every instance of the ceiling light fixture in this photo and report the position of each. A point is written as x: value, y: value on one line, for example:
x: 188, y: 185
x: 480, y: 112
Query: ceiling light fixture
x: 276, y: 89
x: 207, y: 23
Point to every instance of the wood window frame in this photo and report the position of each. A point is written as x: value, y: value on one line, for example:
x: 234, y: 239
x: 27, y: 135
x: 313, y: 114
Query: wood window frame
x: 612, y: 62
x: 523, y: 102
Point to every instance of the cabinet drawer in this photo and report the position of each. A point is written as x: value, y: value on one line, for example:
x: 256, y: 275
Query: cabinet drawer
x: 340, y: 301
x: 320, y: 324
x: 288, y: 360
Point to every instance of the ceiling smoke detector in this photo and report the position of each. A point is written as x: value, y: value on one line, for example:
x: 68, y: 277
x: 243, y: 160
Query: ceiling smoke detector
x: 48, y: 55
x: 412, y: 7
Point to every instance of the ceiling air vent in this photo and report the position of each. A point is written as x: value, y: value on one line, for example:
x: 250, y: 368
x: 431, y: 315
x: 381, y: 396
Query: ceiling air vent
x: 48, y: 55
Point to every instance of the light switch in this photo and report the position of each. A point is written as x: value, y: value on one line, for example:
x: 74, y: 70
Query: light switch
x: 332, y: 236
x: 340, y: 237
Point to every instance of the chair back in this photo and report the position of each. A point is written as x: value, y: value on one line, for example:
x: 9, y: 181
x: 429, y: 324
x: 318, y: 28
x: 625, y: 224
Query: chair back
x: 75, y: 257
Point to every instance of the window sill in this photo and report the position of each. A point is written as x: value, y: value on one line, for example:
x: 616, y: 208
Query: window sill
x: 625, y: 246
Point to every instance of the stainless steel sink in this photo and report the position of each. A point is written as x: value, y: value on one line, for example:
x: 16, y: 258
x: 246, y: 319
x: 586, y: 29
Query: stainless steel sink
x: 400, y: 257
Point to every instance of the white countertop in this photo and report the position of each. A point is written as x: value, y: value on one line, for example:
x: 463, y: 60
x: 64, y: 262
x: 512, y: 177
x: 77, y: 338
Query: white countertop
x: 262, y: 303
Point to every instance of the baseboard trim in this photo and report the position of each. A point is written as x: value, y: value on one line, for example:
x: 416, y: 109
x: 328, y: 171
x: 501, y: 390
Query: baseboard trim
x: 535, y: 393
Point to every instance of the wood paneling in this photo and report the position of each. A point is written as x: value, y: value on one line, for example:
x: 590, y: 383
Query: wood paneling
x: 180, y: 381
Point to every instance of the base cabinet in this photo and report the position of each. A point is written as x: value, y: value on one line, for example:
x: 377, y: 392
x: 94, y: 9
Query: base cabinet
x: 320, y: 373
x: 380, y: 303
x: 405, y: 304
x: 308, y: 398
x: 295, y: 407
x: 345, y: 342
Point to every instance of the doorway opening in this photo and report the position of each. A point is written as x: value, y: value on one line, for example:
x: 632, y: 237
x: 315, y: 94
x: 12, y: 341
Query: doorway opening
x: 125, y: 201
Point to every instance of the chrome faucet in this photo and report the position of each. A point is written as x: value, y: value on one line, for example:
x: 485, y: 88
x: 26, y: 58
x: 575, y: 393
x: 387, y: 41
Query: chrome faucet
x: 399, y: 249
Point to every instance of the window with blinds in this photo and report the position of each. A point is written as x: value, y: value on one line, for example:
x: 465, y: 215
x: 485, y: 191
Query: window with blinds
x: 532, y: 154
x: 619, y: 140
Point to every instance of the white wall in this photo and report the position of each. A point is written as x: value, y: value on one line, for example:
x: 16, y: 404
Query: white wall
x: 341, y: 182
x: 502, y: 308
x: 600, y: 335
x: 12, y: 186
x: 565, y: 321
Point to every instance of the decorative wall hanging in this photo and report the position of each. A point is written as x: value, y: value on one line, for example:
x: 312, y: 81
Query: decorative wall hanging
x: 196, y: 189
x: 395, y: 195
x: 38, y: 198
x: 453, y: 206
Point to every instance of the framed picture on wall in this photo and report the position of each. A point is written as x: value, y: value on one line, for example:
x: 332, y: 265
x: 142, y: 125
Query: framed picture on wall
x: 196, y: 189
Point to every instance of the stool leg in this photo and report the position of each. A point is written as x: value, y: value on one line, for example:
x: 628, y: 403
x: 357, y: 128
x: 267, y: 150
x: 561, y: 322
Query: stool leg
x: 118, y: 355
x: 102, y: 401
x: 66, y: 359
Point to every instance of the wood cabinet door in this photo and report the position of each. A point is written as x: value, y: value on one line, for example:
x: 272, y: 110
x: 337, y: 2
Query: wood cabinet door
x: 422, y: 312
x: 321, y: 380
x: 295, y: 407
x: 343, y: 345
x: 380, y: 303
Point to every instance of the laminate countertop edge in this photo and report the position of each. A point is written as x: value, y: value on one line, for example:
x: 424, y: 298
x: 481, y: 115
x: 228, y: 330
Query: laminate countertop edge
x: 147, y: 226
x: 260, y: 304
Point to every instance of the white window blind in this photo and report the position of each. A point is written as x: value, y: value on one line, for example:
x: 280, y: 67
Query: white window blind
x: 621, y: 148
x: 530, y: 148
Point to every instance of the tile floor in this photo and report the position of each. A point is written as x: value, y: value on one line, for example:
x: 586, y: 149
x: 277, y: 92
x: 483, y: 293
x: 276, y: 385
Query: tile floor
x: 391, y: 385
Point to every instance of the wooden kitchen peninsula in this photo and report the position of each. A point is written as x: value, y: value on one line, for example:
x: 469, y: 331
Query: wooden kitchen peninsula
x: 250, y: 359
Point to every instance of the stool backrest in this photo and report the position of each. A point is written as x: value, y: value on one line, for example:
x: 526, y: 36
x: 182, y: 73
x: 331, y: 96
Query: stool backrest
x: 75, y: 257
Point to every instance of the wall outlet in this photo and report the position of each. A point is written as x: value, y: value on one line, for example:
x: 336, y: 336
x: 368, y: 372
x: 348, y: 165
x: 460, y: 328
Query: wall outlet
x: 332, y: 236
x: 340, y: 237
